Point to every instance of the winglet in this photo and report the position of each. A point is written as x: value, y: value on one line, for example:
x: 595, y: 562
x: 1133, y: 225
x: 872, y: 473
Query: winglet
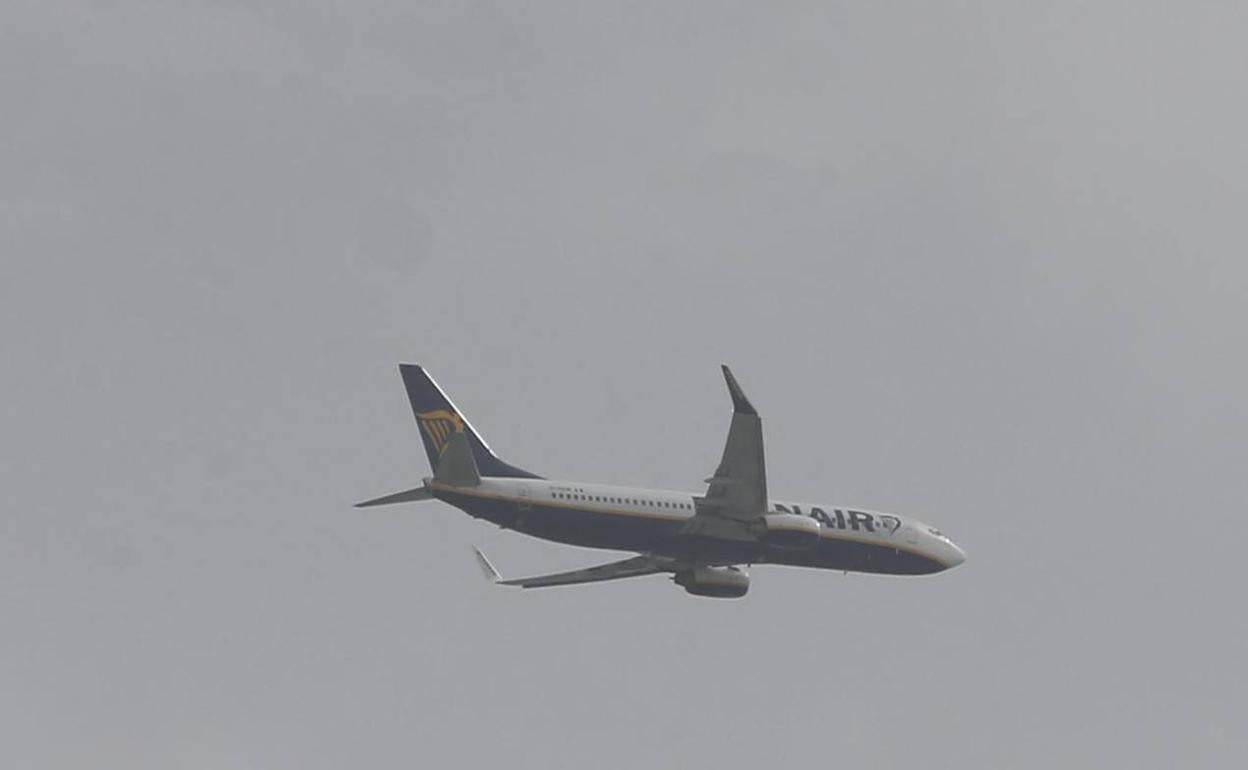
x: 740, y: 403
x: 491, y: 574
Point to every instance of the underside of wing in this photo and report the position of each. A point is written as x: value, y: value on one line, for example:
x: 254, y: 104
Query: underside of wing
x: 738, y: 490
x: 633, y: 567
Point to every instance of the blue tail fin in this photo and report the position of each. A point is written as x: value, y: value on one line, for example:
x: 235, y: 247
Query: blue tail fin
x: 439, y: 420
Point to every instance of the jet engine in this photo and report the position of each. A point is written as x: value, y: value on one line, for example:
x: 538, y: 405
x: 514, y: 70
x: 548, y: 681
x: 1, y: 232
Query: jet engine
x: 788, y: 530
x: 717, y: 582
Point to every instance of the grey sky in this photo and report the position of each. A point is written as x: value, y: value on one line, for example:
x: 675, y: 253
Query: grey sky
x: 980, y: 263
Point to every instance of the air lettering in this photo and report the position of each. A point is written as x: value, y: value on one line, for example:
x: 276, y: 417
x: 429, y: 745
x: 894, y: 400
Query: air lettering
x: 839, y: 519
x: 820, y: 516
x: 857, y: 517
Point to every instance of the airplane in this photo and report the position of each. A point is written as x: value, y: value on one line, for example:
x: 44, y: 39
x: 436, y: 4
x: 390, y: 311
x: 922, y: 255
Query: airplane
x: 701, y: 540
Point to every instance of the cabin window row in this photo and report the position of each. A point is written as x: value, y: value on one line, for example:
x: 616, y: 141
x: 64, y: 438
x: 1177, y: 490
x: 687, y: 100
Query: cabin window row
x: 623, y: 501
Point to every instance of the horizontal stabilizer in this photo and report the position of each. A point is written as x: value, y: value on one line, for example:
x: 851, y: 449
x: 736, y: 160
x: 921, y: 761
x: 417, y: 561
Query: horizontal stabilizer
x: 406, y: 496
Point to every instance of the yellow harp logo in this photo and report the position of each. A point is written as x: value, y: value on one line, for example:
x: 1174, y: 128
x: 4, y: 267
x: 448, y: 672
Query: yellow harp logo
x: 439, y: 426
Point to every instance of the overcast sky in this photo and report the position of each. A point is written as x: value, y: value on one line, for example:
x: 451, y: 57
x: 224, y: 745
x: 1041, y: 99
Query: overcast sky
x: 982, y: 263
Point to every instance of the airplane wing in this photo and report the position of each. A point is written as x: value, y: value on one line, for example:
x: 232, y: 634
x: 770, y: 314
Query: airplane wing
x: 738, y: 490
x: 634, y: 567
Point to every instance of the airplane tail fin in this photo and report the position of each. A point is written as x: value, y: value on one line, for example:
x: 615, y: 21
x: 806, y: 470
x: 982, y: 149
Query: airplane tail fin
x: 440, y: 421
x: 457, y: 466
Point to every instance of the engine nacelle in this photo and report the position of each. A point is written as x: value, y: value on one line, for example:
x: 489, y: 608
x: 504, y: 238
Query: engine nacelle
x: 788, y: 530
x: 718, y: 582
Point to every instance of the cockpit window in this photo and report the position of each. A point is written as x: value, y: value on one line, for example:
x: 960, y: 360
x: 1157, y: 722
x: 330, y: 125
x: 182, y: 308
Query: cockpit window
x: 938, y: 533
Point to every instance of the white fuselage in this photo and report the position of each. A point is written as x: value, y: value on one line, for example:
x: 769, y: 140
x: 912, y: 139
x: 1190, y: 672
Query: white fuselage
x: 662, y: 521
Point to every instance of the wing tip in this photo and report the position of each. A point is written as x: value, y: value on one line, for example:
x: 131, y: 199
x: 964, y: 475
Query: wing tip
x: 487, y: 569
x: 739, y: 402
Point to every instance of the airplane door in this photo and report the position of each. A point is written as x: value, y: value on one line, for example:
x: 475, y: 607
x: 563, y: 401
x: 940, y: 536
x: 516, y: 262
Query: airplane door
x: 522, y: 498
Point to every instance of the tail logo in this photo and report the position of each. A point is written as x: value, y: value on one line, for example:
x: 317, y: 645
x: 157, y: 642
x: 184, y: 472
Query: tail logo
x: 439, y: 426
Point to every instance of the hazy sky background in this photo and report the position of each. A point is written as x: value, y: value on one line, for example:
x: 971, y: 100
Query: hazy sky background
x: 980, y: 263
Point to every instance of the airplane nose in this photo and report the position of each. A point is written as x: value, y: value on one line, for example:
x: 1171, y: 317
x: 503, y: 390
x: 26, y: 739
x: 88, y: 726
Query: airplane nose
x: 956, y: 556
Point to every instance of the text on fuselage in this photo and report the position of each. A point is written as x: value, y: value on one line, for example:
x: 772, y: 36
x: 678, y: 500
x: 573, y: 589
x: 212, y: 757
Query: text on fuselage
x: 844, y: 519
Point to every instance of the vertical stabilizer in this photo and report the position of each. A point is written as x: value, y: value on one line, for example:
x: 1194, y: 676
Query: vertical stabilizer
x: 440, y: 421
x: 457, y: 467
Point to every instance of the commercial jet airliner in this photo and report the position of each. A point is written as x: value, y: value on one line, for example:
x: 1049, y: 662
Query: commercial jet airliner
x: 700, y: 540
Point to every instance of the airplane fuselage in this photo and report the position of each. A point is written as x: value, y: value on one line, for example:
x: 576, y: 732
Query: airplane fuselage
x: 662, y: 522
